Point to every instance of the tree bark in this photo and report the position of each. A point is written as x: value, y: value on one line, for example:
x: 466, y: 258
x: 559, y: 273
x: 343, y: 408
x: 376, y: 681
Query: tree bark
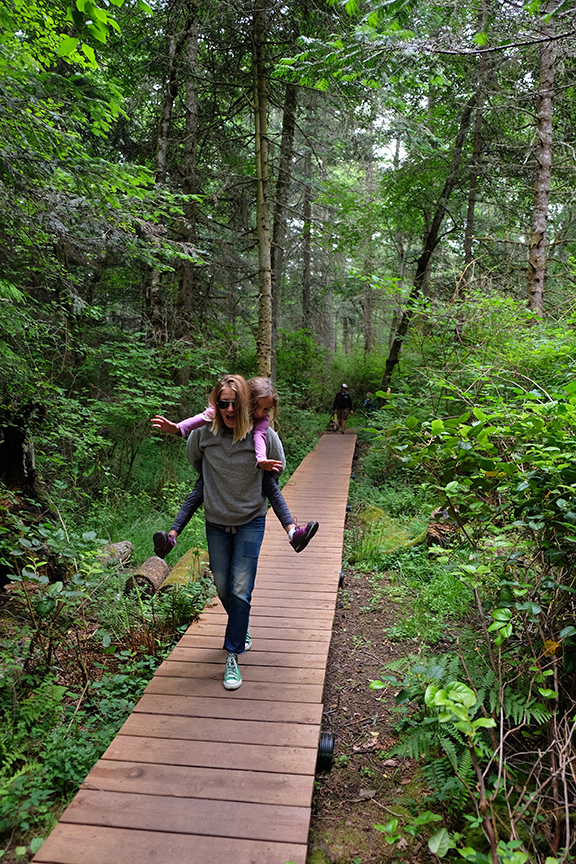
x: 465, y: 281
x: 264, y: 332
x: 432, y: 240
x: 154, y: 291
x: 544, y: 111
x: 306, y: 242
x: 187, y: 288
x: 280, y: 203
x: 368, y: 294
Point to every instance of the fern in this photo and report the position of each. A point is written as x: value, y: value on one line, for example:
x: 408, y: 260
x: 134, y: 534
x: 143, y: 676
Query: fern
x: 418, y: 743
x: 445, y: 785
x: 519, y: 709
x: 465, y: 768
x: 9, y: 292
x: 450, y: 750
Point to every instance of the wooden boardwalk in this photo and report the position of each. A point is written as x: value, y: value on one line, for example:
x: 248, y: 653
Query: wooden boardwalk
x: 202, y: 775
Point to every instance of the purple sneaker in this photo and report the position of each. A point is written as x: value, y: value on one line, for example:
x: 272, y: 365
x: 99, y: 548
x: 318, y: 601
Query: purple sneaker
x: 303, y: 534
x: 163, y: 543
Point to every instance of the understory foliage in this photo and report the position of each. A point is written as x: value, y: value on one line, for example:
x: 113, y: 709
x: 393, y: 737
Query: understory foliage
x: 495, y: 719
x: 78, y: 643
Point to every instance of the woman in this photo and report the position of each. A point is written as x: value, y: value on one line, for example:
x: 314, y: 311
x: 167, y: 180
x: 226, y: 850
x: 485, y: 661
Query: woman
x: 234, y: 507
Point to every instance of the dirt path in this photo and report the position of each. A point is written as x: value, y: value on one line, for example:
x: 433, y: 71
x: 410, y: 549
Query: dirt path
x: 366, y: 786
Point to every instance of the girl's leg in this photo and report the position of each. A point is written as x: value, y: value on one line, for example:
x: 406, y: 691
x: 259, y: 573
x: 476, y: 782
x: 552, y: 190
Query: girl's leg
x: 277, y: 501
x: 164, y: 543
x: 298, y: 535
x: 189, y: 507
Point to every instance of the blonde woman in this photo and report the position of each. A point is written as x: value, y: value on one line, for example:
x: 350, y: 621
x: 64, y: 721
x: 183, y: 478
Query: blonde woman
x: 234, y: 506
x: 263, y: 408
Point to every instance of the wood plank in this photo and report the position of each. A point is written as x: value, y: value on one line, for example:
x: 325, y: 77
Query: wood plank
x: 193, y: 782
x: 270, y: 619
x: 84, y: 844
x: 257, y: 656
x: 236, y: 706
x: 212, y: 688
x: 323, y: 609
x: 245, y: 757
x: 266, y: 672
x: 282, y: 592
x: 265, y: 627
x: 204, y: 754
x: 266, y: 733
x: 284, y: 645
x: 183, y: 816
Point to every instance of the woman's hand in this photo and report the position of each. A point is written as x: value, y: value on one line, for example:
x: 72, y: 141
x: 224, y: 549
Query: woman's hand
x: 164, y: 425
x: 271, y: 465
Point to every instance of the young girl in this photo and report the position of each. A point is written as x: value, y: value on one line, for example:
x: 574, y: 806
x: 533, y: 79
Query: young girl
x: 264, y: 404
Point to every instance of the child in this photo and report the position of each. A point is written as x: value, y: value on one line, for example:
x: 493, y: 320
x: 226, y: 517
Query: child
x: 264, y: 402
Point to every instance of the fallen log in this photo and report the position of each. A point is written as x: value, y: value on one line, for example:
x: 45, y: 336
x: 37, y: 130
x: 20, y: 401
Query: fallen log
x: 149, y: 576
x: 190, y: 568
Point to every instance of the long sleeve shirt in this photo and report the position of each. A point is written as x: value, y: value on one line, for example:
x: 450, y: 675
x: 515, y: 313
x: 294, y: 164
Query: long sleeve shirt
x: 232, y: 482
x: 260, y: 428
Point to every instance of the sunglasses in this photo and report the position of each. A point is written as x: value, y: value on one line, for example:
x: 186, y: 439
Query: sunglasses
x: 224, y: 403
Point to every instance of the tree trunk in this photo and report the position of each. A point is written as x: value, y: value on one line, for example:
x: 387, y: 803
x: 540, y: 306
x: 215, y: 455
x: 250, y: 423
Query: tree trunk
x: 154, y: 291
x: 345, y: 335
x: 465, y: 281
x: 306, y: 242
x: 279, y: 221
x: 264, y: 333
x: 397, y: 308
x: 324, y: 326
x: 544, y: 109
x: 368, y: 294
x: 432, y: 239
x: 187, y: 288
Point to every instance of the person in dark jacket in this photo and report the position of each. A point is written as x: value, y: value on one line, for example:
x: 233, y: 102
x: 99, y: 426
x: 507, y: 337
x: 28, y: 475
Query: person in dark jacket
x: 343, y: 407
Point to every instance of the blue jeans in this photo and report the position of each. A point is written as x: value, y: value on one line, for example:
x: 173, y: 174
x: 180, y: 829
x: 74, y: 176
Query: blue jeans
x: 233, y: 561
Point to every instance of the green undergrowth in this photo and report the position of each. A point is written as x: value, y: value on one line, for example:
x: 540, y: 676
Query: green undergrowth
x: 486, y: 595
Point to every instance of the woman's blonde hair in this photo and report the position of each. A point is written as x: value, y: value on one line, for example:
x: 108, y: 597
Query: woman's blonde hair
x: 262, y: 388
x: 243, y: 407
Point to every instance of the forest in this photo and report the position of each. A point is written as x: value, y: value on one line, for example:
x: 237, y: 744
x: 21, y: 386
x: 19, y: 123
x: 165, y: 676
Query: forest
x: 379, y: 192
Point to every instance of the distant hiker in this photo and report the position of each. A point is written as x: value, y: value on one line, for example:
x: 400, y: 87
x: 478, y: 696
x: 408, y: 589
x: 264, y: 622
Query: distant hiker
x: 343, y: 407
x: 370, y: 404
x: 263, y: 402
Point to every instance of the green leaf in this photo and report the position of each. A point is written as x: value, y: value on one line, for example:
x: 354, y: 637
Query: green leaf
x: 389, y: 827
x: 148, y: 9
x: 67, y: 46
x: 480, y: 39
x: 439, y: 843
x: 484, y: 723
x: 502, y: 614
x: 548, y: 694
x: 89, y: 52
x: 437, y: 426
x: 461, y: 693
x: 35, y: 844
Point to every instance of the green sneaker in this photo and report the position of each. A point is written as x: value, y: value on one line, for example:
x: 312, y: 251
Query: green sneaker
x: 232, y: 677
x: 248, y: 643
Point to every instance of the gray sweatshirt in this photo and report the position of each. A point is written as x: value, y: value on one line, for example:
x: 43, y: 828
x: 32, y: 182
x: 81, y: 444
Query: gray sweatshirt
x: 232, y: 482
